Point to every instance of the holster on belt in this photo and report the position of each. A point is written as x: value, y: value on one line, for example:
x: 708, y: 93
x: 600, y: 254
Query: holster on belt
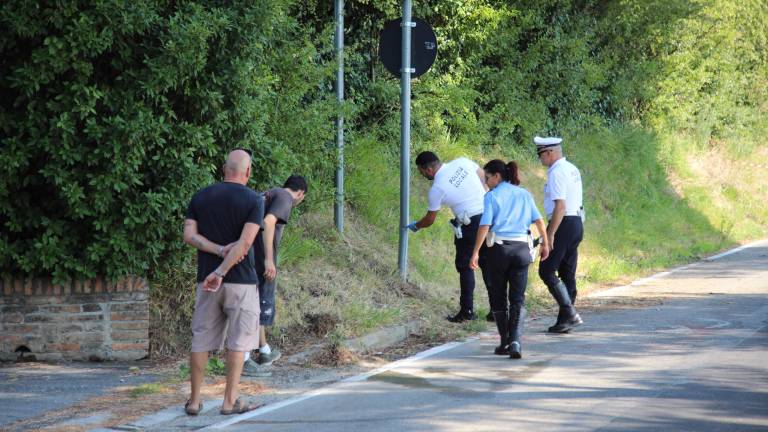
x: 532, y: 246
x: 490, y: 239
x: 456, y: 225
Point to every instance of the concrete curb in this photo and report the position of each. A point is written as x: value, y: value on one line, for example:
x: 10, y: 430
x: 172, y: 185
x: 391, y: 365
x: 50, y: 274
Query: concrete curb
x: 383, y: 338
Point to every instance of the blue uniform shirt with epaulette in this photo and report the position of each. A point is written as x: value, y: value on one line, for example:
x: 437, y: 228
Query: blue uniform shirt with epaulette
x: 510, y: 210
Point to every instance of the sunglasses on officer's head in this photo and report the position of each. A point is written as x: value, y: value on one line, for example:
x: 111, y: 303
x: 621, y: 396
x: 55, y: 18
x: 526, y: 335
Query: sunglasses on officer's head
x: 539, y: 153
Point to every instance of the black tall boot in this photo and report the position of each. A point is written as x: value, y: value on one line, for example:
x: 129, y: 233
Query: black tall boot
x: 500, y: 317
x: 516, y: 323
x: 567, y: 318
x: 572, y: 294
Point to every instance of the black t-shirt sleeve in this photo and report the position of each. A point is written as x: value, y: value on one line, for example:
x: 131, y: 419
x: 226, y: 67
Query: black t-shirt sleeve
x: 280, y: 205
x: 191, y: 214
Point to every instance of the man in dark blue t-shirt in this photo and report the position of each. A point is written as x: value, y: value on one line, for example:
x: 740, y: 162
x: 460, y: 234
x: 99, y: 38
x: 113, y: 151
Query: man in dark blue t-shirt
x: 222, y: 222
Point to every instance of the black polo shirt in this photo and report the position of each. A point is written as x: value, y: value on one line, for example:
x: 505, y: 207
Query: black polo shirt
x: 221, y: 211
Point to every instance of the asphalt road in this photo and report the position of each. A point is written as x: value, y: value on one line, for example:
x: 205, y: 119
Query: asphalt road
x: 692, y: 356
x: 29, y: 390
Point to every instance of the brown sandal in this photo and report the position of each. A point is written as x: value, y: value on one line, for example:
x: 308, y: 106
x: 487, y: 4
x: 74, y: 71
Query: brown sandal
x: 191, y: 411
x: 239, y: 408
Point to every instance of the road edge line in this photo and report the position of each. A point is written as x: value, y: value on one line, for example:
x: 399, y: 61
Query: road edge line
x: 353, y: 379
x: 610, y: 291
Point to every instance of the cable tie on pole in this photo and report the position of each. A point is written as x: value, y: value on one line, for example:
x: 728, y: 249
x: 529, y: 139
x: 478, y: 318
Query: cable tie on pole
x: 408, y: 24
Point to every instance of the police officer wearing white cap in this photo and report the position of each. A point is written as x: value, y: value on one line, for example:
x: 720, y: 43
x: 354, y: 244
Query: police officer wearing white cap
x: 565, y: 230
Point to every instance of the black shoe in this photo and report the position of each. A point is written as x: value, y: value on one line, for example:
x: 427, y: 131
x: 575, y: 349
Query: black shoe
x: 566, y: 325
x: 461, y: 316
x: 501, y: 350
x: 489, y: 317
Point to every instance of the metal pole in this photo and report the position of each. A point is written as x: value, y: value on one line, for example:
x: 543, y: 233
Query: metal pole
x: 338, y: 213
x: 405, y: 137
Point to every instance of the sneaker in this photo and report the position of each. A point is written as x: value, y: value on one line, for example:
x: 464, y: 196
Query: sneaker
x: 267, y: 359
x: 253, y: 369
x: 462, y: 316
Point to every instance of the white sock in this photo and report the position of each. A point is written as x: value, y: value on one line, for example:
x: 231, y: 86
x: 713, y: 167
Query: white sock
x: 247, y: 356
x: 265, y: 349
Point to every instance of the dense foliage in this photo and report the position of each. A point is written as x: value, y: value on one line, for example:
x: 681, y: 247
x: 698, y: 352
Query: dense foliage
x: 510, y: 69
x: 112, y: 113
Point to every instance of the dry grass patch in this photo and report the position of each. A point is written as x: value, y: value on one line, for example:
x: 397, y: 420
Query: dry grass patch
x: 334, y: 355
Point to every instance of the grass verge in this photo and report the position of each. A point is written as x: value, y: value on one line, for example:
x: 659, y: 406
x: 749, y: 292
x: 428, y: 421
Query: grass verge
x: 653, y: 201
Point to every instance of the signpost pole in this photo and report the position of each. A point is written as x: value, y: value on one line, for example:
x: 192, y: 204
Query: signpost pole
x: 405, y: 138
x: 338, y: 214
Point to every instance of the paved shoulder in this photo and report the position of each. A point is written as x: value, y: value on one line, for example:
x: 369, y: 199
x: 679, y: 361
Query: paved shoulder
x: 694, y: 360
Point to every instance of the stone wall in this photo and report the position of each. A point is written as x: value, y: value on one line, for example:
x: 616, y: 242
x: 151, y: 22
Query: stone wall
x: 82, y: 320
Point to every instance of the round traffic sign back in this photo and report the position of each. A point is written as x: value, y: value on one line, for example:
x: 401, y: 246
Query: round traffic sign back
x: 423, y: 47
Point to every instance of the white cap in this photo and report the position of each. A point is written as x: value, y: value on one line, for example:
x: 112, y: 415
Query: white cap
x: 547, y: 142
x: 542, y: 143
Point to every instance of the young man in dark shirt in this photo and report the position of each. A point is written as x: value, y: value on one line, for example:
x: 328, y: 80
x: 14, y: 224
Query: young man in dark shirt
x: 278, y: 205
x: 222, y: 223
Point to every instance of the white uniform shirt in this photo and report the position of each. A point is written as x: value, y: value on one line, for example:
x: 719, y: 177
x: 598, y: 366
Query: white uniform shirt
x: 457, y: 186
x: 563, y: 182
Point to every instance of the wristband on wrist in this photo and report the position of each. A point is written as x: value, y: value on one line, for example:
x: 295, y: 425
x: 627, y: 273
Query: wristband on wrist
x: 219, y: 273
x: 221, y: 251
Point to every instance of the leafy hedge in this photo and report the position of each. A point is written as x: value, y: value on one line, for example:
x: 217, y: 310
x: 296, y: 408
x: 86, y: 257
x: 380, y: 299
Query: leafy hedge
x: 508, y: 70
x: 112, y: 113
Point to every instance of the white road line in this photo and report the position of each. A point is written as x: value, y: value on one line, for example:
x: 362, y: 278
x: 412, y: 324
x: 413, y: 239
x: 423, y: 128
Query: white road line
x: 620, y: 289
x: 732, y: 251
x: 335, y: 386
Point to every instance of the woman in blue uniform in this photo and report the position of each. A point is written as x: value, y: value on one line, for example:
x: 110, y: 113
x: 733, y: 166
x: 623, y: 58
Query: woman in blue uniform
x: 508, y: 212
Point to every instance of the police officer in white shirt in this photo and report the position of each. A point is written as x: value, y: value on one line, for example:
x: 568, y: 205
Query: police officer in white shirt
x: 460, y: 185
x: 563, y: 206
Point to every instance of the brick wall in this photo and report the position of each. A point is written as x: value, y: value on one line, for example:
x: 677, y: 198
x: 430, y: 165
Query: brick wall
x: 80, y: 320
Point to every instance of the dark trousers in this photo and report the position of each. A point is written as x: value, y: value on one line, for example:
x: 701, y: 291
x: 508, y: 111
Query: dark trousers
x: 464, y: 247
x: 484, y: 269
x: 564, y: 255
x: 508, y: 269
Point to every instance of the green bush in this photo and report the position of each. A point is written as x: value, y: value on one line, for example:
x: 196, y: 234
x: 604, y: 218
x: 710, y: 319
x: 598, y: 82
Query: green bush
x: 113, y: 113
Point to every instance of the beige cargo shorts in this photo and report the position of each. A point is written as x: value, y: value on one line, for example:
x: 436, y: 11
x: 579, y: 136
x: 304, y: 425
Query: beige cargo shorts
x: 232, y: 310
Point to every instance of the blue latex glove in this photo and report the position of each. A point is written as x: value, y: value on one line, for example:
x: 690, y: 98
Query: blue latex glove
x: 412, y: 226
